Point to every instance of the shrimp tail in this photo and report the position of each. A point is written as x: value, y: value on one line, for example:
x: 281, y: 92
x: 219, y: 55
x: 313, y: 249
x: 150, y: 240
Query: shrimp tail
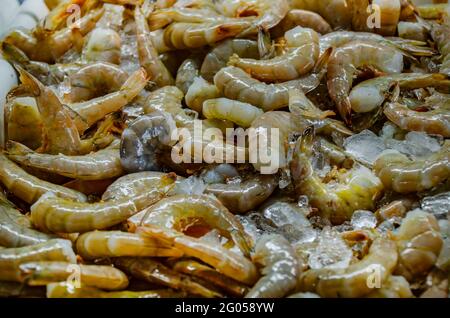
x: 30, y: 84
x: 17, y: 149
x: 322, y: 62
x: 136, y: 82
x: 13, y: 54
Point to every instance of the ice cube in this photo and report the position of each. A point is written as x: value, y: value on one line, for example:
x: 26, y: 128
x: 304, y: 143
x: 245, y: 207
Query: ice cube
x: 249, y: 227
x: 365, y: 146
x: 439, y: 205
x: 190, y: 186
x: 415, y: 144
x: 363, y: 219
x: 331, y: 251
x: 282, y: 213
x: 298, y: 235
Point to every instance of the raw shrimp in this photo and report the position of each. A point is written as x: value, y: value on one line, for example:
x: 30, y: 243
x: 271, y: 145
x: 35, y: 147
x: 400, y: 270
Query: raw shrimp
x: 242, y: 114
x: 356, y: 279
x: 200, y: 91
x: 300, y: 56
x: 388, y: 12
x: 48, y: 46
x: 103, y: 45
x: 432, y: 11
x: 180, y: 212
x: 337, y: 12
x: 226, y: 262
x: 246, y: 195
x: 393, y: 287
x: 101, y: 244
x: 419, y: 244
x: 303, y: 18
x: 15, y: 228
x: 52, y: 250
x: 148, y: 56
x: 403, y: 175
x: 168, y: 99
x: 145, y: 139
x: 66, y: 290
x: 99, y: 165
x: 354, y: 189
x: 187, y: 72
x: 161, y: 18
x: 29, y: 188
x: 44, y: 273
x: 209, y: 274
x: 412, y: 31
x: 441, y: 33
x: 370, y: 94
x: 344, y: 62
x: 54, y: 214
x: 154, y: 272
x: 220, y: 55
x: 279, y: 267
x: 95, y: 80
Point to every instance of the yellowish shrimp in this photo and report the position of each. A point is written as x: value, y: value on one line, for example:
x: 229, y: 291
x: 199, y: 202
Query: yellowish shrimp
x: 99, y: 165
x: 246, y: 195
x: 356, y: 279
x: 101, y: 244
x: 180, y: 212
x: 44, y: 273
x: 354, y: 189
x: 29, y: 188
x: 432, y: 11
x: 209, y: 274
x: 168, y: 99
x: 279, y: 267
x: 95, y: 80
x: 66, y: 290
x: 199, y: 92
x: 52, y: 250
x: 148, y: 56
x: 154, y: 272
x: 48, y: 46
x: 187, y: 72
x: 226, y: 262
x: 61, y: 10
x: 103, y: 45
x: 419, y: 244
x: 220, y: 55
x: 344, y: 62
x: 15, y: 228
x: 403, y: 175
x: 54, y: 214
x: 161, y: 18
x: 242, y: 114
x: 393, y: 287
x: 337, y: 12
x: 440, y: 34
x: 300, y: 56
x: 303, y: 18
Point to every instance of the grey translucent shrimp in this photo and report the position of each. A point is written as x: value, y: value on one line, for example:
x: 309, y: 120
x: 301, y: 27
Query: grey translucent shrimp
x: 187, y: 72
x: 148, y: 56
x: 55, y: 214
x: 52, y: 250
x: 246, y: 195
x: 278, y: 260
x: 299, y: 57
x: 29, y: 188
x: 101, y: 244
x: 144, y: 140
x: 182, y: 211
x: 403, y: 175
x: 220, y: 55
x: 154, y: 272
x: 357, y: 279
x: 240, y: 113
x: 48, y: 46
x: 99, y: 165
x: 419, y: 244
x: 46, y: 272
x: 344, y: 62
x: 15, y: 228
x: 303, y: 18
x: 441, y: 33
x: 354, y: 189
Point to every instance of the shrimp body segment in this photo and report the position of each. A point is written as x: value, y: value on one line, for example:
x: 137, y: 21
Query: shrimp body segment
x: 237, y: 112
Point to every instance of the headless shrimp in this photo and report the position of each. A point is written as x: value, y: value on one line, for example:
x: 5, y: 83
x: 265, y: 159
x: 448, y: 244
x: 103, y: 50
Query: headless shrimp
x: 99, y: 165
x: 180, y: 212
x: 55, y: 214
x: 280, y: 269
x: 303, y: 18
x: 355, y: 189
x: 242, y: 114
x: 52, y: 250
x: 148, y: 56
x: 300, y: 56
x: 100, y: 244
x: 353, y: 281
x: 419, y: 244
x: 344, y: 62
x: 29, y: 188
x: 44, y: 273
x: 403, y: 175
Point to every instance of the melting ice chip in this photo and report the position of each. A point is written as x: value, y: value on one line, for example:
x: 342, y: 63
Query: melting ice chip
x: 416, y: 144
x: 190, y: 186
x: 439, y: 205
x: 365, y: 146
x: 363, y: 219
x: 331, y: 251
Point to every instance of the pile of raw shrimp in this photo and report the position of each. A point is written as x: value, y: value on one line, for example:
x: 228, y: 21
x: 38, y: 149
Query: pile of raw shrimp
x: 93, y: 203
